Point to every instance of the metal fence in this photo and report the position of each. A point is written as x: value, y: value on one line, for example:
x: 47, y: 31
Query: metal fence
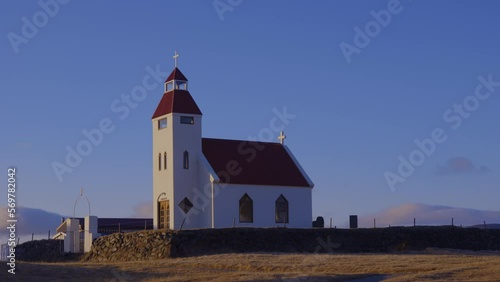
x: 4, y: 251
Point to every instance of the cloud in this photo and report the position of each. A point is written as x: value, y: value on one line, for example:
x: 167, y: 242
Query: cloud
x: 460, y: 165
x: 429, y: 215
x: 29, y: 221
x: 143, y: 210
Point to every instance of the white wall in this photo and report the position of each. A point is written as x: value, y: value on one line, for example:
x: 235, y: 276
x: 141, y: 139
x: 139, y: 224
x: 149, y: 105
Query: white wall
x: 162, y: 180
x: 90, y: 232
x: 186, y: 137
x: 175, y: 139
x: 264, y: 197
x: 202, y: 198
x: 72, y: 238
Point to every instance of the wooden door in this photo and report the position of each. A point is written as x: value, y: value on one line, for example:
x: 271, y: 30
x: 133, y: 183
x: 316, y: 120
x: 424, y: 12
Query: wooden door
x: 164, y: 214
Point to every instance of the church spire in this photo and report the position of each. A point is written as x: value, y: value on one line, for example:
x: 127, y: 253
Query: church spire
x: 176, y: 80
x: 176, y: 87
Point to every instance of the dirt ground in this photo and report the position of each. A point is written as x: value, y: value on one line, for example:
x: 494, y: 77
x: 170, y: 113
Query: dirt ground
x: 431, y: 265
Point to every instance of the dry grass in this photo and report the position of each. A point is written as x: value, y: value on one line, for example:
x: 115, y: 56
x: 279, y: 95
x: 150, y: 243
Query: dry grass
x: 431, y: 265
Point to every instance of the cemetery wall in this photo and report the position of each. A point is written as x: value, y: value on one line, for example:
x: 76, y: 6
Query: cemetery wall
x: 158, y: 244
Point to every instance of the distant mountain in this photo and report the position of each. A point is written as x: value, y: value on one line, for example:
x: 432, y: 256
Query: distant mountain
x: 30, y: 221
x: 430, y: 215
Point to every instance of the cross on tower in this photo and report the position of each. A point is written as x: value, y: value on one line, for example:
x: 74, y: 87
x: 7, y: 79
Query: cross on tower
x: 282, y: 137
x: 176, y: 55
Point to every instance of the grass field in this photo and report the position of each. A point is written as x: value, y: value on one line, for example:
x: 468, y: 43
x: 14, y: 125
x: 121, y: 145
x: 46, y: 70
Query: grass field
x: 431, y: 265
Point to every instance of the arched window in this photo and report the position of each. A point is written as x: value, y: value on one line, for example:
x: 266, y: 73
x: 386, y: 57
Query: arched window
x: 281, y: 209
x: 165, y: 160
x: 159, y: 161
x: 246, y: 209
x: 185, y: 164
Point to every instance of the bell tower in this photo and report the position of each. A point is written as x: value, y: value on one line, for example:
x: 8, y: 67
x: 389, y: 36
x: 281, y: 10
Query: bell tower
x: 176, y: 126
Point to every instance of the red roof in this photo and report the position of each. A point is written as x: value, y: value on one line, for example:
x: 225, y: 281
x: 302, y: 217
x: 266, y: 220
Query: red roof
x: 177, y: 101
x: 259, y: 163
x: 177, y: 75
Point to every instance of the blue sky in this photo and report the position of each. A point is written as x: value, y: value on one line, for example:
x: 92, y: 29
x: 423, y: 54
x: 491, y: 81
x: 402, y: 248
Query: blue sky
x: 352, y: 120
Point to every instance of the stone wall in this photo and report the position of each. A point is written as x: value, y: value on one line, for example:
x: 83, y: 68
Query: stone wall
x: 44, y: 250
x: 142, y: 245
x: 146, y: 245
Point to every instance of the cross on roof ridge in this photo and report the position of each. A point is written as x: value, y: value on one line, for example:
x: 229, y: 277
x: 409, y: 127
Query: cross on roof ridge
x: 282, y: 137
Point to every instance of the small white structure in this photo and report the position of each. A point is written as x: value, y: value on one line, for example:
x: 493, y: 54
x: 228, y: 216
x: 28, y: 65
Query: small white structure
x: 76, y: 239
x: 90, y: 232
x: 213, y: 183
x: 69, y: 231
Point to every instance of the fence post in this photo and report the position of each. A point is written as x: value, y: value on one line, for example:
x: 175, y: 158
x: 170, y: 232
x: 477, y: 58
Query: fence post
x: 414, y: 222
x: 374, y: 223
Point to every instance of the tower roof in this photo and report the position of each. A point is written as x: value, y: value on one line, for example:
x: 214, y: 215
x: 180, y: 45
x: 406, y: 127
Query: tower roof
x: 177, y: 101
x: 176, y: 75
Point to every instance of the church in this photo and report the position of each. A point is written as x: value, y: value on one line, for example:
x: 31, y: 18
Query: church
x: 216, y: 183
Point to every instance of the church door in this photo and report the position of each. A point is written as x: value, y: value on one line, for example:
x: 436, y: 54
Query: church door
x: 164, y: 214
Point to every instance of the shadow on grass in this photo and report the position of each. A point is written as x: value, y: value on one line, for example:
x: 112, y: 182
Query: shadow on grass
x: 349, y: 278
x: 26, y: 271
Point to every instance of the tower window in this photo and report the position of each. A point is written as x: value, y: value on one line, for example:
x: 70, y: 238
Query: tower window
x: 169, y: 86
x: 246, y: 209
x: 159, y: 161
x: 165, y: 160
x: 281, y: 210
x: 187, y: 120
x: 162, y: 123
x: 182, y: 85
x: 185, y: 163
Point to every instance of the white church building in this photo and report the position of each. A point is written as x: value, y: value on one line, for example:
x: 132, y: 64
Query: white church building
x: 215, y: 183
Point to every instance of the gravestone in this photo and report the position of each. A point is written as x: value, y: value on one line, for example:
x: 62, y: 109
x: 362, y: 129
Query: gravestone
x: 319, y: 222
x: 353, y: 221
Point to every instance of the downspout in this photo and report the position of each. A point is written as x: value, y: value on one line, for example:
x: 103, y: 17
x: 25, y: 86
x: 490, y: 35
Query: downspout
x: 213, y: 210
